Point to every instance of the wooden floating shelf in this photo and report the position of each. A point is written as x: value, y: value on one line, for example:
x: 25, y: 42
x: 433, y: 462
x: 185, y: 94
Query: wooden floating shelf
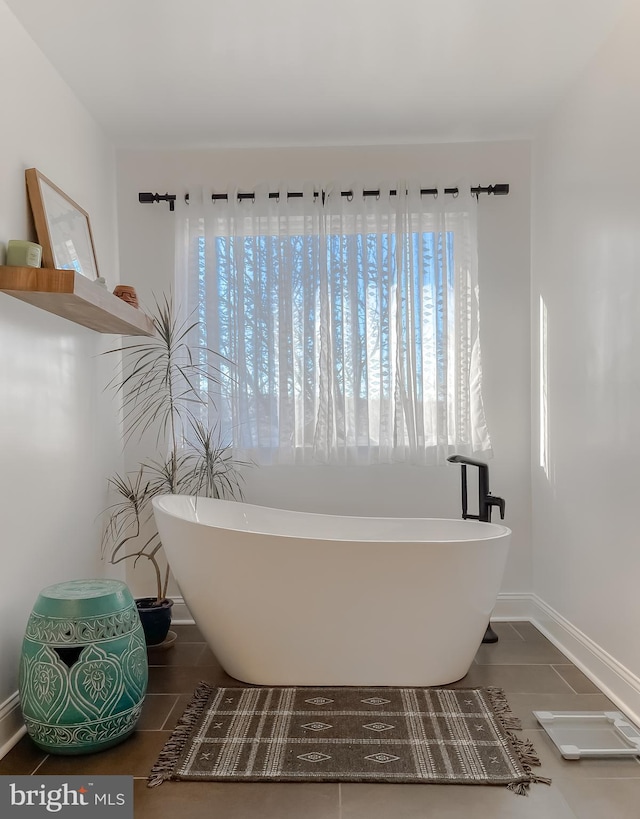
x: 75, y: 297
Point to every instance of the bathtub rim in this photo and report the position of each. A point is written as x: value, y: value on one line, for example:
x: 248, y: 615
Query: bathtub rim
x: 499, y: 530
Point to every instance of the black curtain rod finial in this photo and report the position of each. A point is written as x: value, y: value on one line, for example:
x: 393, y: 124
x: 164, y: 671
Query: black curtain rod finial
x: 496, y: 190
x: 146, y: 198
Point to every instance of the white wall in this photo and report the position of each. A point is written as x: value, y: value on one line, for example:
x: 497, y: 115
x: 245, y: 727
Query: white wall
x: 586, y: 267
x: 146, y: 244
x: 58, y: 431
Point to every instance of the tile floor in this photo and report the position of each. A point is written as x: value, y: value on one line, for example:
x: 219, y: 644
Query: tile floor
x: 535, y: 675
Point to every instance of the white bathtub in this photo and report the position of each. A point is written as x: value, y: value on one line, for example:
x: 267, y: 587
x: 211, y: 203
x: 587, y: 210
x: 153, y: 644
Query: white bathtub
x: 293, y: 598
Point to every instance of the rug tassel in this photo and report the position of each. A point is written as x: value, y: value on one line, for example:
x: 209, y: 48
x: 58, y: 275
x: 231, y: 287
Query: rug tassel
x: 519, y: 788
x: 528, y: 757
x: 501, y: 706
x: 525, y: 750
x: 162, y: 770
x: 523, y: 747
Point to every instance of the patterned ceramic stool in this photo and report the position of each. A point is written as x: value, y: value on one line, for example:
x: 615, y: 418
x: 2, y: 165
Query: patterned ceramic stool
x: 83, y: 669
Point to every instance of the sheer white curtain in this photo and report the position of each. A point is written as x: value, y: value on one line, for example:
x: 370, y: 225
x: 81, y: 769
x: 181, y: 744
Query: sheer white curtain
x: 349, y: 325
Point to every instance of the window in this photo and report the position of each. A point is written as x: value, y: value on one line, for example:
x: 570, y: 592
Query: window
x: 348, y: 328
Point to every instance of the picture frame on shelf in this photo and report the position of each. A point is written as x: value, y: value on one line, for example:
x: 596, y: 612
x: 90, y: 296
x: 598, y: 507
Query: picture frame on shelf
x: 62, y: 226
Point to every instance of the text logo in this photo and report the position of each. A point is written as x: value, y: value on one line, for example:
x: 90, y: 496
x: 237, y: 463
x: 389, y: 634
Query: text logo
x: 37, y: 796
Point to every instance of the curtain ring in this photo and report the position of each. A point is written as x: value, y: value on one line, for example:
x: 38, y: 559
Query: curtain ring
x: 186, y: 199
x: 435, y: 195
x: 456, y: 194
x: 349, y: 196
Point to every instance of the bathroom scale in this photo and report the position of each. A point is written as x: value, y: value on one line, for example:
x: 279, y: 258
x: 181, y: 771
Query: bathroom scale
x: 579, y: 734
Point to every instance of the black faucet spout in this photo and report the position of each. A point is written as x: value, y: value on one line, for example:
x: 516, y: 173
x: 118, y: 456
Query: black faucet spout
x: 462, y: 459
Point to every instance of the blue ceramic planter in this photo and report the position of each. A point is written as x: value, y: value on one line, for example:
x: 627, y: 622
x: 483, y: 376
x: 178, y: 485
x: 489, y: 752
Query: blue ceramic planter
x: 155, y: 618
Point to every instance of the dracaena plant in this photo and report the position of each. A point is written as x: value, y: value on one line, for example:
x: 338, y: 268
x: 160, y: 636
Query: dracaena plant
x: 164, y: 384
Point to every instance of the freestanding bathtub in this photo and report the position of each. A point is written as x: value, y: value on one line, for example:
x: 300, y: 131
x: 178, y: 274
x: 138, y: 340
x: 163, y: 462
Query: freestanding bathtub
x: 294, y: 598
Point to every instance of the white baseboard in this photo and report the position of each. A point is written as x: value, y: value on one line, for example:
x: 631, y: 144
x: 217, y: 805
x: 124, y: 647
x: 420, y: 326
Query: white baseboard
x: 513, y: 606
x: 12, y: 727
x: 613, y: 679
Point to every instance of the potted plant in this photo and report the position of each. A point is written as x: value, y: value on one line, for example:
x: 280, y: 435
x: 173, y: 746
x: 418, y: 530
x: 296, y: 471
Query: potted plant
x: 166, y: 390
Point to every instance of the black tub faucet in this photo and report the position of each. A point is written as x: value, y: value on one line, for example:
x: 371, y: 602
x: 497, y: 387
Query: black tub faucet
x: 485, y: 499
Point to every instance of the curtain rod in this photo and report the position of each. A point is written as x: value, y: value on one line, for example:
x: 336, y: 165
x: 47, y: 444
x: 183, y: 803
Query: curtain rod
x: 496, y: 190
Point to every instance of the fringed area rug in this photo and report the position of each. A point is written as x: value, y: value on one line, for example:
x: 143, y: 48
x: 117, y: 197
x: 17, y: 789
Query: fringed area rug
x: 402, y: 735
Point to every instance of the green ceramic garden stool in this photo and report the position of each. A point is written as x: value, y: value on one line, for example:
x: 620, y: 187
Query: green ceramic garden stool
x: 83, y: 669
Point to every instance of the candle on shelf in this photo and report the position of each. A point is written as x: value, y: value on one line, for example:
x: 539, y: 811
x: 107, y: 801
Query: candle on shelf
x: 23, y: 254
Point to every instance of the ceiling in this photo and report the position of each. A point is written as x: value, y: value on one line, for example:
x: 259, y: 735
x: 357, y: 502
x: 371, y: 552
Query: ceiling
x: 200, y: 73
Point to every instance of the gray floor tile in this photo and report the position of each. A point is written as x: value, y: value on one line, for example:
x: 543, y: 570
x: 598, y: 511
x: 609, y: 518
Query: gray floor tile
x: 134, y: 757
x: 520, y: 652
x: 189, y: 633
x: 155, y: 711
x: 230, y: 800
x: 528, y: 630
x: 580, y: 683
x: 184, y: 680
x: 555, y: 766
x: 452, y: 801
x: 520, y: 679
x: 24, y: 758
x: 179, y: 654
x: 602, y: 798
x: 207, y: 657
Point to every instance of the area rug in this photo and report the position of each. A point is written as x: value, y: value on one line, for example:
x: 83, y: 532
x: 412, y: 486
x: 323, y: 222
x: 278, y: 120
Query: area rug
x: 401, y: 735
